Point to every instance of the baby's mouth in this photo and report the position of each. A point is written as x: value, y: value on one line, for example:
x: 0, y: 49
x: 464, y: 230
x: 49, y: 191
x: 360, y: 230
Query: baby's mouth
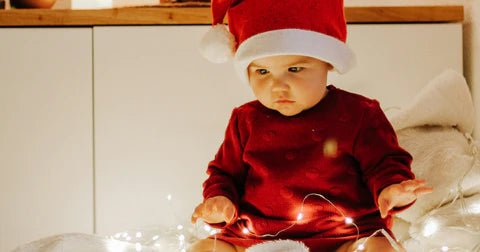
x: 284, y: 101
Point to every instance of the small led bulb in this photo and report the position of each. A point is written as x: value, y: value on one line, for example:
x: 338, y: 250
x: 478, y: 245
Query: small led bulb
x: 245, y: 230
x: 361, y: 247
x: 207, y: 228
x: 169, y: 197
x: 179, y: 227
x: 300, y: 216
x: 348, y: 220
x: 444, y: 248
x: 181, y: 237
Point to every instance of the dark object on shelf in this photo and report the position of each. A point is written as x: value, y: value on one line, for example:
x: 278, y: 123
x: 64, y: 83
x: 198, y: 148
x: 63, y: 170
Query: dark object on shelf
x: 2, y: 4
x: 21, y: 4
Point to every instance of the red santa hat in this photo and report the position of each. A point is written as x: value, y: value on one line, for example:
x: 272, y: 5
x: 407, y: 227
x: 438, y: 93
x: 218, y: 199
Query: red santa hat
x: 262, y: 28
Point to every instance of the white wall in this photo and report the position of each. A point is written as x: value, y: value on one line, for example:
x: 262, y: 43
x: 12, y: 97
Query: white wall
x: 471, y: 37
x: 91, y: 4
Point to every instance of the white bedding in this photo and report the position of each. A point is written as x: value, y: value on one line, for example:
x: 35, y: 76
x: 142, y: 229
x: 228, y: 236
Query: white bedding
x: 435, y: 129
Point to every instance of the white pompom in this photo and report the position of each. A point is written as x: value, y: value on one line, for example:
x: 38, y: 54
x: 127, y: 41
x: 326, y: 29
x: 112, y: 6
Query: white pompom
x: 279, y: 246
x: 218, y: 44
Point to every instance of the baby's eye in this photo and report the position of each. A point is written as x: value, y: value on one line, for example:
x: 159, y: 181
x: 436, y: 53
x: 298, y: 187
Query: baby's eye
x: 262, y: 71
x: 295, y: 69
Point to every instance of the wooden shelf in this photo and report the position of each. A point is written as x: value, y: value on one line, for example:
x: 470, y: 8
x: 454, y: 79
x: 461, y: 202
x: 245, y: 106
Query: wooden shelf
x: 200, y: 14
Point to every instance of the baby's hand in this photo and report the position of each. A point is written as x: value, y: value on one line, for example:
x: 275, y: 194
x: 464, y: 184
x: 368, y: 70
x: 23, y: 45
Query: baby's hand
x: 217, y: 209
x: 398, y: 195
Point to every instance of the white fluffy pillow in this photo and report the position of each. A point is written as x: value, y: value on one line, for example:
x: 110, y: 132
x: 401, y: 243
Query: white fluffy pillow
x: 432, y: 128
x: 442, y: 156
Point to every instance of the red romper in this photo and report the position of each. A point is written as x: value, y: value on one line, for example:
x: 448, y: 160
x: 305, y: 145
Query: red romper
x: 343, y: 148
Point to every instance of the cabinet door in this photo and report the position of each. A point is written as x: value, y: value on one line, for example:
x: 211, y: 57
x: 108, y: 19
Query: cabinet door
x: 161, y: 109
x: 45, y: 133
x: 160, y: 114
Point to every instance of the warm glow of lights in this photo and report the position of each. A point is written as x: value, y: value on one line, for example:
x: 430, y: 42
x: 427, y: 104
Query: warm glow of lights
x: 179, y: 227
x: 474, y: 208
x: 300, y: 216
x: 361, y: 247
x: 431, y: 227
x: 330, y: 148
x: 444, y: 248
x: 245, y: 231
x: 181, y: 237
x: 169, y: 197
x: 207, y: 228
x: 116, y: 246
x: 348, y: 220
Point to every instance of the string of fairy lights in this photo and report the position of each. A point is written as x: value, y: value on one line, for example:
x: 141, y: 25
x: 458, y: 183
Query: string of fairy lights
x: 176, y: 237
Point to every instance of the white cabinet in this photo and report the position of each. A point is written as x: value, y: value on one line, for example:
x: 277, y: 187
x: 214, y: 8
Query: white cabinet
x: 46, y: 174
x: 161, y: 109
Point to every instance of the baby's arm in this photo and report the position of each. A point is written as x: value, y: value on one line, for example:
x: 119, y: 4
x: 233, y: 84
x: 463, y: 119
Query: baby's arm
x: 215, y: 210
x: 402, y: 194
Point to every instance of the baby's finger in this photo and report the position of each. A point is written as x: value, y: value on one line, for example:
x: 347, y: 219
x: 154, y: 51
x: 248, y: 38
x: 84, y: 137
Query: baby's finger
x: 229, y: 213
x: 384, y: 206
x: 194, y: 218
x: 197, y: 213
x: 411, y: 185
x: 423, y: 190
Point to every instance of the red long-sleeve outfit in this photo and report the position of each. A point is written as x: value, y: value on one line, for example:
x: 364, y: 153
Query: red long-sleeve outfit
x: 343, y: 148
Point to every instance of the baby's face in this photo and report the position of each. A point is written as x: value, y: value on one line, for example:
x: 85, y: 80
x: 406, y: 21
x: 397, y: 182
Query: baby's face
x: 288, y: 84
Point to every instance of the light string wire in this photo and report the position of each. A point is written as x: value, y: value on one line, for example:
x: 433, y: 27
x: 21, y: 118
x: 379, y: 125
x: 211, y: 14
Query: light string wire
x: 214, y: 242
x: 348, y: 220
x: 459, y: 192
x: 474, y: 153
x: 459, y: 195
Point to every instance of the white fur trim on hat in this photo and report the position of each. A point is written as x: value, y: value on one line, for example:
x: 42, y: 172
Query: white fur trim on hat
x: 294, y: 42
x: 218, y: 44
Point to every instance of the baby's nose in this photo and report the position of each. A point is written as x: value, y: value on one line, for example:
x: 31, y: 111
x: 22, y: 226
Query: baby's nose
x: 279, y: 85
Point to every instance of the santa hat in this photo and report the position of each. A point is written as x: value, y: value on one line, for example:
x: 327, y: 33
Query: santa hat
x: 262, y: 28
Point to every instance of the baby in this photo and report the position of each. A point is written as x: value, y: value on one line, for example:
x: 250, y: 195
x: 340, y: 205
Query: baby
x: 301, y: 138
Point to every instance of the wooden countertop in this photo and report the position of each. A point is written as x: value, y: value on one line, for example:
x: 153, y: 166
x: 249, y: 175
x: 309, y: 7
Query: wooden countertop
x: 200, y: 14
